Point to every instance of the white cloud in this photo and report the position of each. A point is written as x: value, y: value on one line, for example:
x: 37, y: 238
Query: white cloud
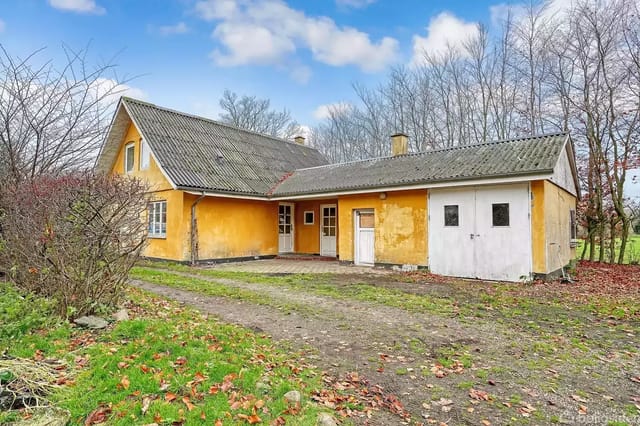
x: 250, y: 44
x: 267, y: 31
x: 301, y: 74
x: 356, y: 4
x: 500, y: 12
x: 111, y: 90
x: 78, y: 6
x: 179, y: 28
x: 2, y: 25
x: 443, y: 31
x: 327, y: 110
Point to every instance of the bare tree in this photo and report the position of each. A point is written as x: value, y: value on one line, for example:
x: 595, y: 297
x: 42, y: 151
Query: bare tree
x: 577, y: 71
x: 52, y: 119
x: 252, y: 113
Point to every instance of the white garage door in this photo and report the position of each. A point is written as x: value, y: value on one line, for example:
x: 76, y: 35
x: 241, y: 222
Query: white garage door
x: 480, y: 232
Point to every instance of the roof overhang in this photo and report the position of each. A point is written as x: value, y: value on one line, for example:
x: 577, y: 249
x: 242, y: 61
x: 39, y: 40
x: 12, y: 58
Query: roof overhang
x: 428, y: 185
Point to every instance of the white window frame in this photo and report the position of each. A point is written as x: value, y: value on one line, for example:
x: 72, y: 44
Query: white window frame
x: 145, y: 155
x: 157, y: 217
x: 313, y: 217
x: 126, y: 157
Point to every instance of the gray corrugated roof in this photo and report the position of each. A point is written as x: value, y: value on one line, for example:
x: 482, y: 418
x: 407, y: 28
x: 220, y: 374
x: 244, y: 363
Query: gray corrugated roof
x: 517, y: 157
x: 198, y: 153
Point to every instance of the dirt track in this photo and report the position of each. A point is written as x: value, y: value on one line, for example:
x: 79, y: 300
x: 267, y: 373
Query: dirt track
x: 400, y: 351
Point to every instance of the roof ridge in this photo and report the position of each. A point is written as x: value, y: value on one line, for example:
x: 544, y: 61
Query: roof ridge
x: 452, y: 148
x: 210, y: 120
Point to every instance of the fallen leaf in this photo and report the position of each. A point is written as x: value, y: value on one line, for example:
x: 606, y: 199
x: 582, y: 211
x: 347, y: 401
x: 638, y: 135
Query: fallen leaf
x: 486, y: 423
x: 146, y: 401
x: 578, y: 398
x: 582, y: 409
x: 125, y: 382
x: 188, y: 403
x: 170, y: 396
x: 97, y: 416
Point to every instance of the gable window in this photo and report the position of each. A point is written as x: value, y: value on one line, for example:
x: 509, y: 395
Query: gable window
x: 500, y: 214
x: 308, y: 218
x: 129, y: 154
x: 451, y: 217
x: 144, y: 155
x: 158, y: 219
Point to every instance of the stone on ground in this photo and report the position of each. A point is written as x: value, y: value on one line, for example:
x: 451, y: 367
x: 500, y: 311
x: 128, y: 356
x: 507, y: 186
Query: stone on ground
x: 91, y: 322
x: 325, y: 419
x: 121, y: 315
x: 293, y: 397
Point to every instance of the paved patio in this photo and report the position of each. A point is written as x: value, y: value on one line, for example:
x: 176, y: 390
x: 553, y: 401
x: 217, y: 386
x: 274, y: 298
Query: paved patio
x: 293, y: 266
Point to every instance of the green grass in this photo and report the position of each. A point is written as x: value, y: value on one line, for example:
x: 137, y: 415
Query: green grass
x: 165, y: 350
x: 211, y: 288
x: 631, y: 255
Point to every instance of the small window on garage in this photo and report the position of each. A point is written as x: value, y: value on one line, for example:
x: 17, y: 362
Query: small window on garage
x: 308, y: 218
x: 500, y: 214
x: 451, y: 216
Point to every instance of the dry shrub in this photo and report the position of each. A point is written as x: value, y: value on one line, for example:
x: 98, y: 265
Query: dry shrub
x: 73, y: 238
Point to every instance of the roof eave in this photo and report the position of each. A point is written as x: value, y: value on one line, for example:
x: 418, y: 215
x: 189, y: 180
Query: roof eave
x: 534, y: 175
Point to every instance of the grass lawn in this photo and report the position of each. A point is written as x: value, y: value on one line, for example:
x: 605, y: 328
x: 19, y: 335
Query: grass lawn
x: 631, y: 255
x: 523, y: 353
x: 166, y: 365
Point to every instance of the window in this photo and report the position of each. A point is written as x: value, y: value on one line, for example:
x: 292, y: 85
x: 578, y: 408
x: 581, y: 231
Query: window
x: 129, y: 152
x: 158, y: 219
x: 451, y: 216
x: 573, y: 232
x: 329, y: 221
x: 501, y: 214
x: 308, y: 218
x: 144, y: 155
x: 367, y: 220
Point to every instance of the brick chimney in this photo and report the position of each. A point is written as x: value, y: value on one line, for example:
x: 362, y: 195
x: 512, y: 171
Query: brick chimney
x: 399, y: 144
x: 299, y: 140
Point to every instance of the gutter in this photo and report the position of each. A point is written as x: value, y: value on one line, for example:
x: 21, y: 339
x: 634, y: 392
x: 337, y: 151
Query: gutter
x: 194, y: 230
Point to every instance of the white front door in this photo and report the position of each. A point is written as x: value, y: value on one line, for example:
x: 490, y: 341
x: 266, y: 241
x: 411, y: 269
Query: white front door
x: 285, y: 228
x: 365, y: 237
x: 328, y: 227
x: 480, y: 232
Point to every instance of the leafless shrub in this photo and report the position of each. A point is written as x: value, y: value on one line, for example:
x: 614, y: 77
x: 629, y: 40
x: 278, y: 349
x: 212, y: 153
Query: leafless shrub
x: 72, y: 238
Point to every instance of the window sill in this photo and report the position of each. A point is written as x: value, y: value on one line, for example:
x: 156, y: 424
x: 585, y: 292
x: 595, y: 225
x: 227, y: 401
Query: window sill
x: 157, y: 237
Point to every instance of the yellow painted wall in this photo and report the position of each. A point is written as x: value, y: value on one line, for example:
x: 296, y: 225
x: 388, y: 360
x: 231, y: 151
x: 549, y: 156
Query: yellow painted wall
x: 307, y: 237
x: 229, y: 227
x: 558, y: 203
x: 400, y: 226
x: 176, y: 244
x: 152, y: 175
x: 538, y: 233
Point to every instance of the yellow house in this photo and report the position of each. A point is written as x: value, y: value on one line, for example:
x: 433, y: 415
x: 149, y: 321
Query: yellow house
x: 502, y: 210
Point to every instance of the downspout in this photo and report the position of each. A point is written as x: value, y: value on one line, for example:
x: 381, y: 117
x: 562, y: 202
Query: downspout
x: 194, y: 230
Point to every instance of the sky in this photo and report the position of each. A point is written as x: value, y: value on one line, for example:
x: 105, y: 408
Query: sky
x: 303, y: 55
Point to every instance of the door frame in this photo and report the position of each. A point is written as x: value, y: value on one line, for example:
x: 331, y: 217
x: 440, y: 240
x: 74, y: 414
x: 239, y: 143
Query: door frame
x: 356, y: 236
x: 293, y: 228
x: 321, y: 223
